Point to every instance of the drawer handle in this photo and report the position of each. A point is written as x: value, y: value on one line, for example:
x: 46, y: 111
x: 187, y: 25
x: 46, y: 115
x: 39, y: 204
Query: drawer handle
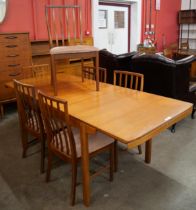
x: 14, y: 74
x: 11, y: 46
x: 11, y: 37
x: 13, y: 65
x: 14, y: 55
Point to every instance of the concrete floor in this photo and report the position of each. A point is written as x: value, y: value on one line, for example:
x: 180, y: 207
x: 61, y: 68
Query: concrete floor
x: 168, y: 183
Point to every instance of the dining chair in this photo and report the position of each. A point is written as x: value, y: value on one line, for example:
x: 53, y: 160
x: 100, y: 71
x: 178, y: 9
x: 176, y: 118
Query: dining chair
x: 131, y: 80
x: 37, y: 70
x: 64, y: 25
x: 30, y: 119
x: 89, y: 73
x: 64, y: 140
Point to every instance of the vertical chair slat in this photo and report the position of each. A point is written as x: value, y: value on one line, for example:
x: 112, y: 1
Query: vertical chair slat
x: 67, y: 24
x: 54, y: 26
x: 136, y: 83
x: 74, y: 23
x: 80, y: 18
x: 60, y: 14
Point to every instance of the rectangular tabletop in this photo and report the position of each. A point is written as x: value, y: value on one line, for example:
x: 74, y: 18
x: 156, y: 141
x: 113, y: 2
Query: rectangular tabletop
x: 127, y: 115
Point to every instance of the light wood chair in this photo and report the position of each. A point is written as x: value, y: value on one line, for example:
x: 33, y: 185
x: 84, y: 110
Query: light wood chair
x: 131, y: 80
x: 38, y: 70
x: 30, y: 118
x: 89, y: 73
x: 64, y: 140
x: 64, y: 24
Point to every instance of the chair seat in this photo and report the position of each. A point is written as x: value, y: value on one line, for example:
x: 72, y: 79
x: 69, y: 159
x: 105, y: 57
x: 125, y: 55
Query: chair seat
x: 73, y: 49
x: 96, y: 141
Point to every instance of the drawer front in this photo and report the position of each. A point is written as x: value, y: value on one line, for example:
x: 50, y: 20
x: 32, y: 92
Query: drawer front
x: 14, y: 39
x: 14, y: 63
x: 6, y: 93
x: 6, y: 76
x: 14, y: 50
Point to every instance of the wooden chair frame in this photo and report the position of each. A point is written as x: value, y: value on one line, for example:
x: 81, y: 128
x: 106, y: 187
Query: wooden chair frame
x: 37, y: 70
x: 89, y: 73
x: 60, y: 20
x: 61, y: 140
x: 128, y: 79
x: 30, y: 118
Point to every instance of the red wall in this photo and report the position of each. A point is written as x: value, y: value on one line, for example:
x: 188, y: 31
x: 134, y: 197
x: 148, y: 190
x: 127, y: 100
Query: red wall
x: 29, y: 16
x: 165, y: 21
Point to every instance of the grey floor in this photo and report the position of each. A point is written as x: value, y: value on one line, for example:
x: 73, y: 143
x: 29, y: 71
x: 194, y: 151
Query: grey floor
x: 168, y: 183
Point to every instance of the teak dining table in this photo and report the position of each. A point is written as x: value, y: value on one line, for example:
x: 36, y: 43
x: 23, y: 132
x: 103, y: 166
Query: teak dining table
x: 129, y: 116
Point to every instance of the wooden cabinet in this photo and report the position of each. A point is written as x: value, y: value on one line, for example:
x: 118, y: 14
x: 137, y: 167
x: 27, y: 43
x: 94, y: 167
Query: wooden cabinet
x: 15, y: 52
x: 187, y: 16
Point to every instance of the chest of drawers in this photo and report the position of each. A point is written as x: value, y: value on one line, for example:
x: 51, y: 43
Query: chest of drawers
x: 15, y: 52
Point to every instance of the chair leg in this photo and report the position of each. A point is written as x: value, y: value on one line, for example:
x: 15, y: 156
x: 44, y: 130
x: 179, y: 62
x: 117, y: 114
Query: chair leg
x: 73, y: 183
x: 140, y: 149
x: 115, y: 156
x: 24, y: 143
x: 49, y: 166
x: 42, y: 154
x: 1, y: 110
x: 112, y: 149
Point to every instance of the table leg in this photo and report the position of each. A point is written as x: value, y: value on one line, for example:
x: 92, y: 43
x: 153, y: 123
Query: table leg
x: 97, y: 70
x: 148, y: 151
x: 85, y: 164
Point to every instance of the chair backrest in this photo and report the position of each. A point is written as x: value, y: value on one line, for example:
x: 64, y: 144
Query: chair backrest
x: 127, y: 79
x: 28, y: 109
x: 64, y: 23
x: 57, y: 124
x: 89, y: 72
x: 38, y: 70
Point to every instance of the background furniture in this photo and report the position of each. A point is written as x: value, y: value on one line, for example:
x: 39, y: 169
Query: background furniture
x: 187, y: 33
x: 149, y: 50
x: 64, y: 22
x: 15, y: 52
x: 64, y: 141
